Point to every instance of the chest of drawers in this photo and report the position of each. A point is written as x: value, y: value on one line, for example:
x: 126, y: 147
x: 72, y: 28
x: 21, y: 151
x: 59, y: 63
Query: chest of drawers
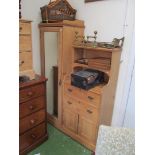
x: 25, y: 49
x: 32, y: 114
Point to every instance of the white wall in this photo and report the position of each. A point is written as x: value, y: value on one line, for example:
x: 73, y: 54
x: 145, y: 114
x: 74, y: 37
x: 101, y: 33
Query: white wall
x: 111, y: 18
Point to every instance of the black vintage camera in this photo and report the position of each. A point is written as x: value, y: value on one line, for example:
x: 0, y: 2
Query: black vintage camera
x: 87, y: 78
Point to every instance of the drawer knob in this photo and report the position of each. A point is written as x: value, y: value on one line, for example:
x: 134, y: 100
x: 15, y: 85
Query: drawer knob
x: 29, y: 93
x: 20, y: 28
x: 89, y: 111
x: 31, y: 107
x: 70, y: 90
x: 21, y: 62
x: 32, y: 121
x: 91, y: 98
x: 33, y: 136
x: 69, y: 102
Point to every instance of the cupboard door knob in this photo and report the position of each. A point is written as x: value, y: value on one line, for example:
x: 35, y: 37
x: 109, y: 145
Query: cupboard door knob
x: 70, y: 90
x: 32, y: 121
x: 69, y: 102
x: 29, y: 93
x: 31, y: 107
x: 91, y: 98
x: 89, y: 111
x: 33, y: 136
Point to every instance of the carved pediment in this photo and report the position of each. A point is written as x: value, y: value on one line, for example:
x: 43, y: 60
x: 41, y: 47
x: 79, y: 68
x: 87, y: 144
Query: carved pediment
x: 58, y: 10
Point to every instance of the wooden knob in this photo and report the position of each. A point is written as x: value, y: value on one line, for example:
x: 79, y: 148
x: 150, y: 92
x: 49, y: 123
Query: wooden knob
x: 69, y: 102
x: 20, y: 28
x: 90, y: 97
x: 33, y: 136
x: 70, y: 90
x: 32, y: 121
x: 31, y: 107
x: 29, y: 93
x: 89, y: 111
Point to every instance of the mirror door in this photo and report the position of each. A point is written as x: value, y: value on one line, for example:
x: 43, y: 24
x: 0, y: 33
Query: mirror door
x: 51, y: 71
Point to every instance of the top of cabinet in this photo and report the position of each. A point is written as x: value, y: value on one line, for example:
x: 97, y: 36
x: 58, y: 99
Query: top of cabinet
x: 76, y: 23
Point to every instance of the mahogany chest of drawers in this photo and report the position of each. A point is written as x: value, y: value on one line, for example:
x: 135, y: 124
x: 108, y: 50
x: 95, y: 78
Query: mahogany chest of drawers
x: 32, y: 114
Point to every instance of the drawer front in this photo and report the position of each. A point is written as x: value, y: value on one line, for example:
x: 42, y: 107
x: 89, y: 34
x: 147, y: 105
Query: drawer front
x: 88, y: 111
x: 31, y: 121
x: 87, y: 96
x: 29, y: 107
x: 31, y: 92
x: 24, y: 28
x: 31, y: 136
x: 25, y: 61
x: 92, y: 98
x: 25, y: 43
x: 69, y: 103
x: 71, y: 91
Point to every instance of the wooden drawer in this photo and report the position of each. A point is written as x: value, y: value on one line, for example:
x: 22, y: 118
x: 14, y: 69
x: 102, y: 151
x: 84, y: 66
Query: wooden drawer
x: 31, y: 121
x: 88, y: 111
x: 80, y: 94
x: 24, y: 28
x: 29, y: 107
x: 31, y: 92
x: 71, y: 91
x: 69, y: 103
x: 90, y: 97
x: 25, y: 61
x: 32, y: 136
x: 25, y: 43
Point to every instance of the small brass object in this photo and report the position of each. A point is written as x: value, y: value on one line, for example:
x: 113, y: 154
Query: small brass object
x: 94, y: 43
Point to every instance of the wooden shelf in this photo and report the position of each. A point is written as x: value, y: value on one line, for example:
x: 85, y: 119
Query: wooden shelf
x: 97, y: 48
x: 86, y: 66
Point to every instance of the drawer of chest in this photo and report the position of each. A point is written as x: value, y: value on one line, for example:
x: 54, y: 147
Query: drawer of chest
x: 69, y: 103
x: 25, y: 61
x: 24, y: 28
x: 90, y: 97
x: 81, y: 94
x: 32, y: 136
x: 31, y: 92
x: 25, y: 43
x: 31, y: 121
x: 31, y: 106
x: 88, y: 111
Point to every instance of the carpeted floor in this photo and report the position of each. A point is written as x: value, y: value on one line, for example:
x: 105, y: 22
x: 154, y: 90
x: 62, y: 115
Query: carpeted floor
x: 60, y: 144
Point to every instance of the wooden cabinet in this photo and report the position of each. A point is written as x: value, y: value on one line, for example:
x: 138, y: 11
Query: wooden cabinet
x: 80, y: 112
x: 32, y: 114
x: 56, y: 57
x: 25, y: 49
x: 94, y: 106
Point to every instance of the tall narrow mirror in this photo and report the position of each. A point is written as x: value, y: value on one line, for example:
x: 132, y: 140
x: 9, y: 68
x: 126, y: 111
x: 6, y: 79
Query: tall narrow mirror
x: 51, y: 71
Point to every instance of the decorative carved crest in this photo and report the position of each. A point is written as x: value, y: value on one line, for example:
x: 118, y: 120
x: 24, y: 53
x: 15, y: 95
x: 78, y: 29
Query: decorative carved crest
x: 57, y: 10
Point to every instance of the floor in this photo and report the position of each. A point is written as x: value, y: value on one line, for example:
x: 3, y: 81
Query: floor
x: 59, y: 144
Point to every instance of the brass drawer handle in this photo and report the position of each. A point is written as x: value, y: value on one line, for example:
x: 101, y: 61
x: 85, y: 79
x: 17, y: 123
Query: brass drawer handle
x: 89, y: 111
x: 91, y: 98
x: 33, y: 136
x: 29, y: 93
x: 32, y: 121
x: 69, y: 102
x: 31, y: 107
x: 70, y: 90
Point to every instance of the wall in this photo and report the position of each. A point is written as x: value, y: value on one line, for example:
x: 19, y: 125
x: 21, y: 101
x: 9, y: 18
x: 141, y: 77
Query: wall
x: 111, y: 18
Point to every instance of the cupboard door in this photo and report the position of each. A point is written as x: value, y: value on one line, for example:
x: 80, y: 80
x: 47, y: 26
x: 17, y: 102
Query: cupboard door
x: 87, y: 129
x: 70, y: 120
